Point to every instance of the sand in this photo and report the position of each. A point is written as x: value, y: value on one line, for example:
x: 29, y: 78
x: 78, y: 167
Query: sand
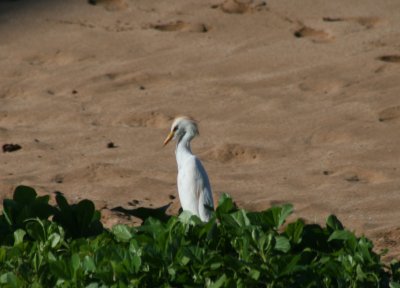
x: 297, y: 101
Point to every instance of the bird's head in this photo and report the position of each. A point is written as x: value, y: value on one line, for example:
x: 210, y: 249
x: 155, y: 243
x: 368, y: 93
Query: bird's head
x: 182, y: 126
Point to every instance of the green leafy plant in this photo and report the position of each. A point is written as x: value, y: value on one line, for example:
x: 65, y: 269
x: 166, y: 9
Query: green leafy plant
x: 79, y: 220
x: 235, y: 248
x: 24, y: 205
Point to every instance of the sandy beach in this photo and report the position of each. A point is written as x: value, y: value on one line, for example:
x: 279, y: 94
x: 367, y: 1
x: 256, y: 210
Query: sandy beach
x: 297, y: 101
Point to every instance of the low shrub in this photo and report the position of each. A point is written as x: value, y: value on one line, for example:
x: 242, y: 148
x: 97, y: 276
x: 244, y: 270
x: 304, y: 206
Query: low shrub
x: 66, y: 246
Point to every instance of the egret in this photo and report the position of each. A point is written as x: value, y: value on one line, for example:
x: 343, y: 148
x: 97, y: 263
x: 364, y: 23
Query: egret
x: 194, y: 187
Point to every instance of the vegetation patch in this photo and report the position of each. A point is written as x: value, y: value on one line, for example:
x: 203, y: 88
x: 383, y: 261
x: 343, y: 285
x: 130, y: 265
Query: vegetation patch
x: 66, y: 246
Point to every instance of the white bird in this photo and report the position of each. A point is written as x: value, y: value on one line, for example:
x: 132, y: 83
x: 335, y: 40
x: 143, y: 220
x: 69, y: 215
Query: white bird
x: 194, y: 187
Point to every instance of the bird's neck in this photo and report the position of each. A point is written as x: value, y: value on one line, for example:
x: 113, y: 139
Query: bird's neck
x: 183, y: 149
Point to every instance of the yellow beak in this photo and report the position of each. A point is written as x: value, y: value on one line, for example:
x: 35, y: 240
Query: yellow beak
x: 169, y: 138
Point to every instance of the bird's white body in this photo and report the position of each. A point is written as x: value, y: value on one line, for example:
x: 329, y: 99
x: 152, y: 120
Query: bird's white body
x: 194, y: 187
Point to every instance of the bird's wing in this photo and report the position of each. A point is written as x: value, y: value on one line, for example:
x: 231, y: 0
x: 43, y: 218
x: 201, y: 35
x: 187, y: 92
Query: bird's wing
x: 188, y: 186
x: 203, y: 192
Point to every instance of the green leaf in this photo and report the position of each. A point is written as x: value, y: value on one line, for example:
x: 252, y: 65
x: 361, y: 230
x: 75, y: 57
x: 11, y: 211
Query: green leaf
x: 88, y: 264
x: 341, y: 235
x: 276, y: 216
x: 185, y: 260
x: 51, y: 257
x: 255, y: 274
x: 394, y: 269
x: 225, y: 204
x: 295, y: 231
x: 235, y: 220
x: 36, y: 230
x: 215, y: 266
x: 19, y: 236
x: 172, y: 272
x: 394, y: 285
x: 3, y: 254
x: 286, y: 210
x: 54, y: 239
x: 360, y: 273
x: 75, y: 262
x: 282, y: 244
x: 9, y: 206
x: 315, y: 237
x: 9, y: 279
x: 60, y: 270
x: 291, y: 266
x: 188, y: 218
x: 137, y: 262
x: 364, y: 247
x: 220, y: 282
x: 121, y: 233
x: 24, y: 195
x: 240, y: 218
x: 333, y: 223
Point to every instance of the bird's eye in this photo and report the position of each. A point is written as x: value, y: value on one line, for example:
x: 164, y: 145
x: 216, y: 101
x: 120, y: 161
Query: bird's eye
x: 175, y: 128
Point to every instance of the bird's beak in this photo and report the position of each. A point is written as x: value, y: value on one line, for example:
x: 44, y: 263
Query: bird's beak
x: 169, y: 138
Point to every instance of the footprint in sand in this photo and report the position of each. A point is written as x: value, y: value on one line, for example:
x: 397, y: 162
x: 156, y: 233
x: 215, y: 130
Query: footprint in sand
x: 58, y: 179
x: 227, y: 153
x: 361, y: 175
x: 119, y: 80
x: 367, y: 22
x: 241, y: 6
x: 316, y: 36
x: 390, y: 58
x: 151, y: 119
x: 321, y: 86
x: 111, y: 5
x: 119, y: 26
x: 180, y: 26
x: 356, y: 175
x: 389, y: 114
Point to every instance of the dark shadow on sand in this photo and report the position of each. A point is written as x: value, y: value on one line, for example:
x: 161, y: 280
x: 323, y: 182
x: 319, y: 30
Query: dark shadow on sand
x: 143, y: 213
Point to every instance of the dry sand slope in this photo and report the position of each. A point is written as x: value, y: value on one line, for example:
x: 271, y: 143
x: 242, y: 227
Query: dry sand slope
x: 298, y: 101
